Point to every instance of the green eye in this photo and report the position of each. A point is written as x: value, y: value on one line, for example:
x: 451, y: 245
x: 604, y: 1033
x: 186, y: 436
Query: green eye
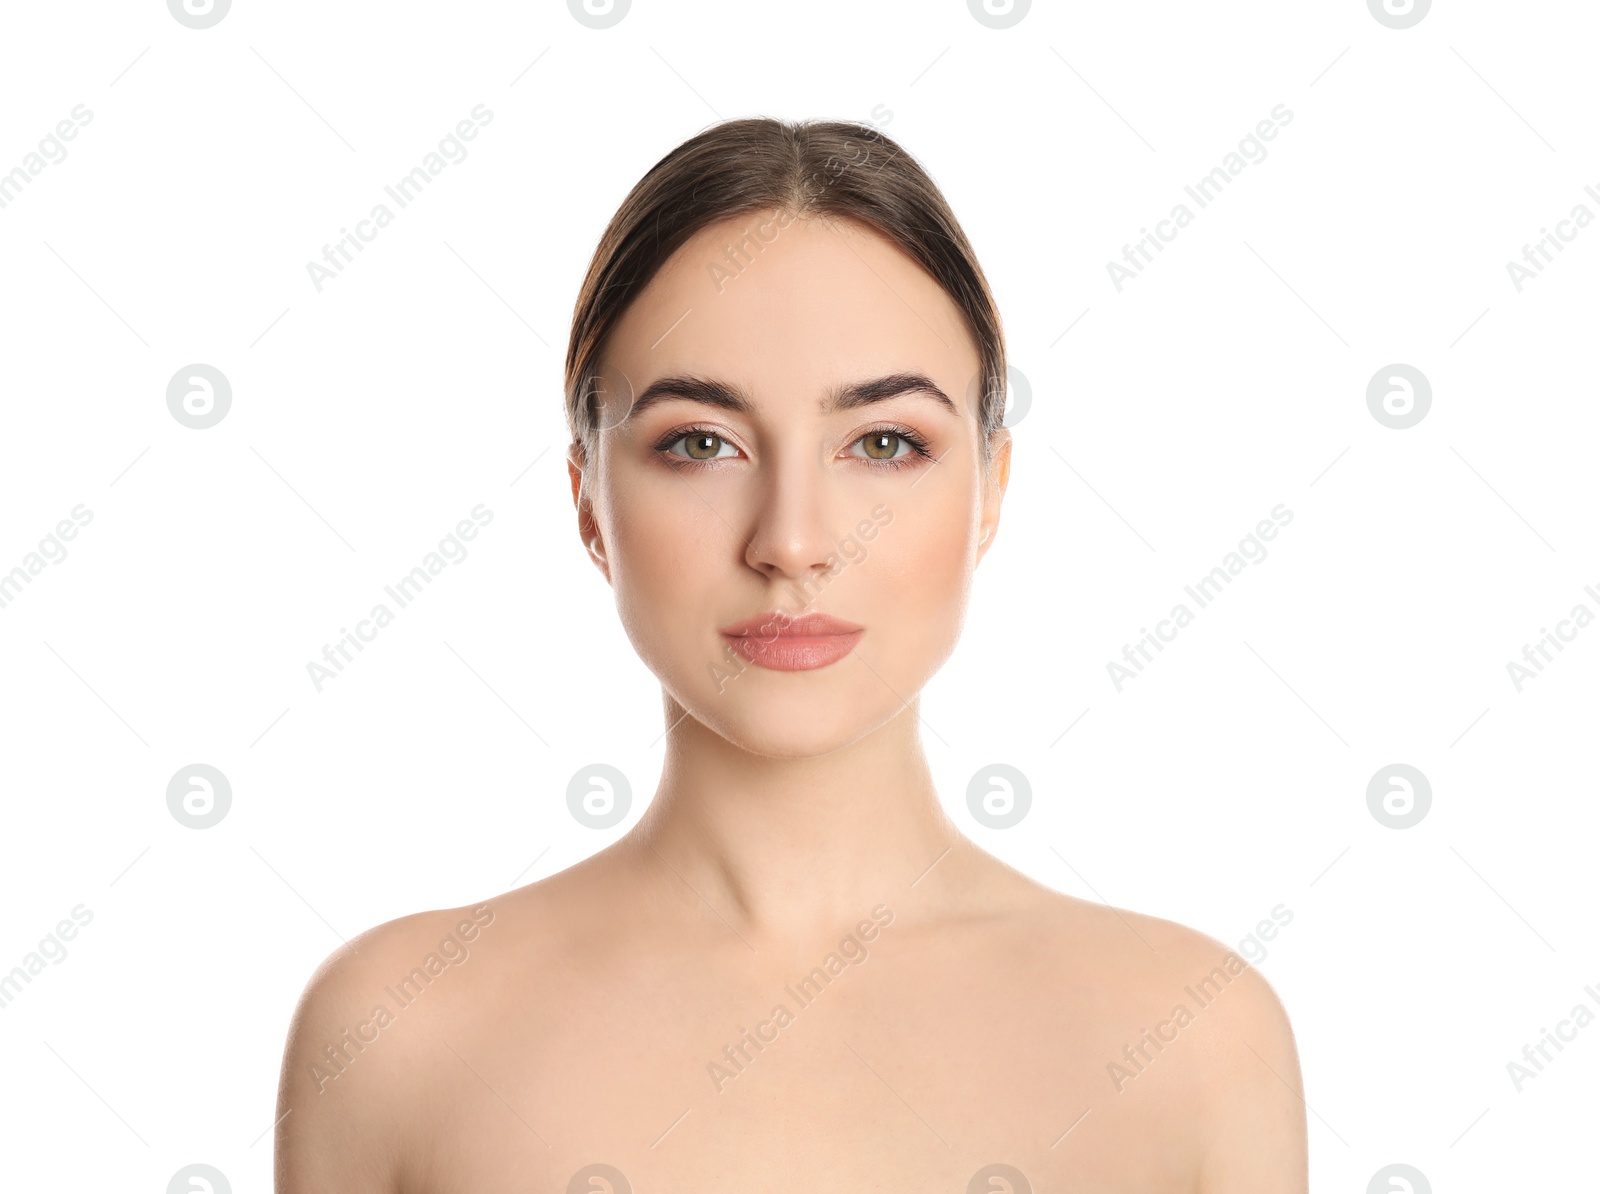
x: 699, y: 445
x: 881, y: 445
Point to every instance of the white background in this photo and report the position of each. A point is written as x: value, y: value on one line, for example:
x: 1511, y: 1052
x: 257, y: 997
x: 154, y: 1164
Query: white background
x: 369, y: 417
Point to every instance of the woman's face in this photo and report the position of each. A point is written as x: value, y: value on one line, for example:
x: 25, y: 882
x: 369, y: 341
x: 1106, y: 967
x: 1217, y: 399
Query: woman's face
x: 811, y: 467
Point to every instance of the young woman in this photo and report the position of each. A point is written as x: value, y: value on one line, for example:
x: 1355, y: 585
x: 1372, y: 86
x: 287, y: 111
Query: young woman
x: 785, y: 390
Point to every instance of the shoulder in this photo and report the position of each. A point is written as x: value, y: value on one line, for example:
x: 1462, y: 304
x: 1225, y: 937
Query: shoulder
x: 1152, y: 960
x: 1203, y: 1028
x: 343, y: 1097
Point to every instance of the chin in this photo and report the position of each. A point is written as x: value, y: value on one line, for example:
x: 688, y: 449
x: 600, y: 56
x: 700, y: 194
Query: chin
x: 786, y: 721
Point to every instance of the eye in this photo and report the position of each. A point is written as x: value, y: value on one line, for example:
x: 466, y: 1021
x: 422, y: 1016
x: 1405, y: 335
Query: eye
x: 895, y: 447
x: 699, y: 446
x: 883, y: 445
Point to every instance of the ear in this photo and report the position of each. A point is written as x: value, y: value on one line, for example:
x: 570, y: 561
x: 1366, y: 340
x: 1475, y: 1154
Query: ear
x: 588, y: 528
x: 994, y: 490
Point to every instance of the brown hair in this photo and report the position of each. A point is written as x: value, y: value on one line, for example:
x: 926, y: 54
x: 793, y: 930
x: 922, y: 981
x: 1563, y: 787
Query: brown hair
x: 808, y: 168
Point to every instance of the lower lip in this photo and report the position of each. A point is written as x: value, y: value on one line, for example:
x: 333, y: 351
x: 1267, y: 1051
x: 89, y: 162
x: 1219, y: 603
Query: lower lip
x: 792, y: 652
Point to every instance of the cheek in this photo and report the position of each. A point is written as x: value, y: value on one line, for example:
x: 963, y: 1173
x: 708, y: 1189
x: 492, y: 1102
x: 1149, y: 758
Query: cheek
x: 918, y: 573
x: 669, y: 556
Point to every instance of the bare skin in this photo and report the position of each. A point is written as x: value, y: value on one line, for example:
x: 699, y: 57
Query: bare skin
x: 794, y: 973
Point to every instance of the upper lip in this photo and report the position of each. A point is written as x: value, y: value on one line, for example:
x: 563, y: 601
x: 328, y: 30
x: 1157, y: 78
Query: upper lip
x: 776, y: 623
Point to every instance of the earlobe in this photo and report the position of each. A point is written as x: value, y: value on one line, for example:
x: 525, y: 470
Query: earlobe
x: 1003, y: 460
x: 575, y: 466
x: 576, y: 461
x: 1000, y: 476
x: 980, y: 547
x: 597, y: 554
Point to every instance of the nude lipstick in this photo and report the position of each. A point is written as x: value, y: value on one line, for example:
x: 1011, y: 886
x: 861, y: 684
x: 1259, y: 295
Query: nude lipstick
x: 789, y: 643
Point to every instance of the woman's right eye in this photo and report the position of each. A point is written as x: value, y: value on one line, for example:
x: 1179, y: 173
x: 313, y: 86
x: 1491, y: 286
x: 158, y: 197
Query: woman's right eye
x: 699, y: 445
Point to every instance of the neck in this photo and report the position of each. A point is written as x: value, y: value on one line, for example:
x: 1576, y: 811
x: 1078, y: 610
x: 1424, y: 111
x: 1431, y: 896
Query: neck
x: 787, y: 848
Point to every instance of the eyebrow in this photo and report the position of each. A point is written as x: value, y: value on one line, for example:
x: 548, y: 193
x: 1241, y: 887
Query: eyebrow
x: 839, y: 398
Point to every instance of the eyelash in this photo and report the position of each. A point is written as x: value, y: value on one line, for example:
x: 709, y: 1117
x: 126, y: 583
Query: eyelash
x: 919, y: 447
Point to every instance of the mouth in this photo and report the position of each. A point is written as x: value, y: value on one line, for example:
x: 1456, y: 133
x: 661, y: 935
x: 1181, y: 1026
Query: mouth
x: 789, y: 643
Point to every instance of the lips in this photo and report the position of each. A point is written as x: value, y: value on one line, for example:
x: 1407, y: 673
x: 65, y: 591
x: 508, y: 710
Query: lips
x: 788, y: 643
x: 777, y: 623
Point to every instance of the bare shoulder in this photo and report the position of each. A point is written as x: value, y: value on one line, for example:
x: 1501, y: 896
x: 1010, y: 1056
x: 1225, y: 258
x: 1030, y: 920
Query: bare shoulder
x: 344, y: 1101
x: 390, y: 1019
x: 1196, y: 1026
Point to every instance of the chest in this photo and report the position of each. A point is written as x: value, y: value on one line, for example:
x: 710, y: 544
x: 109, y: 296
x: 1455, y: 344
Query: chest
x: 906, y: 1082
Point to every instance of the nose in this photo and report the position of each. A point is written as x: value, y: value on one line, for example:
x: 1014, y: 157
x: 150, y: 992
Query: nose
x: 791, y: 536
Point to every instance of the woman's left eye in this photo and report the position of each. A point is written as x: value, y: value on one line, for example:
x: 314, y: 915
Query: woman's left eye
x: 884, y: 445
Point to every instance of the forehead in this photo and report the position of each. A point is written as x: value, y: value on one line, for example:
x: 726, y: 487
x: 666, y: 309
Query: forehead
x: 787, y: 310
